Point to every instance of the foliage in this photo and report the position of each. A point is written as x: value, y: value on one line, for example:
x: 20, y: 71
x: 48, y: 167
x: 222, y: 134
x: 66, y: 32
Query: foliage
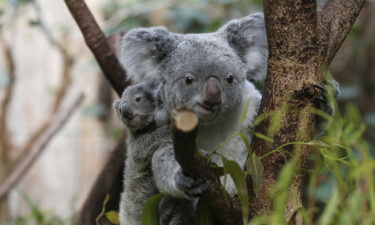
x: 341, y: 181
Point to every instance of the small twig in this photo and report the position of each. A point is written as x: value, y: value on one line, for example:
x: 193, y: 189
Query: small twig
x: 68, y: 59
x: 98, y: 44
x: 5, y: 139
x: 37, y: 148
x: 184, y: 132
x: 46, y: 31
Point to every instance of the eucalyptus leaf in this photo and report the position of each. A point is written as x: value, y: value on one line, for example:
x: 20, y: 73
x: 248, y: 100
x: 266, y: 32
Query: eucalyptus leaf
x: 246, y: 141
x: 255, y: 168
x: 150, y: 214
x: 204, y: 214
x: 330, y: 210
x: 239, y: 179
x: 113, y: 217
x: 263, y: 137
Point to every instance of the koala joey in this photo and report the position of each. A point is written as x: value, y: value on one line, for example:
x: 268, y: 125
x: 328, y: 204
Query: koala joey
x: 141, y: 111
x: 211, y: 74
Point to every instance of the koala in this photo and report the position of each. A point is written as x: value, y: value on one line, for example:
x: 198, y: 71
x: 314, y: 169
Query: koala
x: 141, y: 111
x: 210, y: 73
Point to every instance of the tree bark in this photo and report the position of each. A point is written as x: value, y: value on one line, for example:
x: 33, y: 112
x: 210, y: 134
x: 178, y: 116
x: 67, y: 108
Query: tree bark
x: 184, y: 132
x: 98, y: 44
x: 301, y: 45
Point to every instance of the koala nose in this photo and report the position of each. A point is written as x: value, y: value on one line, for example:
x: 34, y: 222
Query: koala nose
x: 126, y: 112
x: 212, y: 92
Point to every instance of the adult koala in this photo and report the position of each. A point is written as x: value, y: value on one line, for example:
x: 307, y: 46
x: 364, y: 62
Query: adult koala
x: 209, y: 73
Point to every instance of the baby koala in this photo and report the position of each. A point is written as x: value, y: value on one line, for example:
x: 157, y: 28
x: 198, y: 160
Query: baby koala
x: 141, y: 110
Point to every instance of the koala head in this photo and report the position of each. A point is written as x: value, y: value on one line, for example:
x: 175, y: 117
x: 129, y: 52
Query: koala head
x: 205, y: 72
x: 137, y: 106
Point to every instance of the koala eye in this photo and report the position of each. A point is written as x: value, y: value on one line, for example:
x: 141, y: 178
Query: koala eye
x: 230, y: 78
x: 138, y: 99
x: 189, y: 79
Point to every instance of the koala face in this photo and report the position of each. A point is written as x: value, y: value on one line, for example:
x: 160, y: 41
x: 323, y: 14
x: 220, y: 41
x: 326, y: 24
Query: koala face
x: 136, y: 107
x: 205, y: 72
x: 210, y: 83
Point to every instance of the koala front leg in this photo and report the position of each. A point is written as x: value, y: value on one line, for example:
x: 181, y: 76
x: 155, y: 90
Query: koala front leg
x: 169, y: 177
x: 175, y: 211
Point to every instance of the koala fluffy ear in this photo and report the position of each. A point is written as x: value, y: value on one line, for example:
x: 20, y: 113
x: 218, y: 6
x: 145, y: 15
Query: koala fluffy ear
x: 247, y: 36
x: 143, y: 50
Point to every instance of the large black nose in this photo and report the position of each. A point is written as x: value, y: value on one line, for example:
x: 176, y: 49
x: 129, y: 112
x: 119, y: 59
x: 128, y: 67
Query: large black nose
x: 212, y: 92
x: 126, y: 112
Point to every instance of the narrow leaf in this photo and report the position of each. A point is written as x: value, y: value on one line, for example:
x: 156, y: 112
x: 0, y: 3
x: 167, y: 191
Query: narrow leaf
x: 244, y: 112
x: 113, y: 217
x: 263, y: 137
x: 255, y: 168
x: 150, y: 214
x: 246, y: 141
x: 330, y: 210
x: 204, y: 213
x: 239, y: 179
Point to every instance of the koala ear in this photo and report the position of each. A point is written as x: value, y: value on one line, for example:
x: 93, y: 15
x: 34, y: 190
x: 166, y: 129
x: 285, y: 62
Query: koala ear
x: 116, y: 105
x: 247, y: 36
x: 143, y: 50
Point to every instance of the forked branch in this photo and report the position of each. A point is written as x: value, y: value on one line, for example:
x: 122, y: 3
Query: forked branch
x: 335, y: 20
x: 23, y: 166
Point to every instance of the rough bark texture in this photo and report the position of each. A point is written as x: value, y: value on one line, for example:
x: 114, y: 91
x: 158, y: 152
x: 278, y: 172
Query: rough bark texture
x: 109, y: 180
x: 299, y: 54
x: 98, y: 44
x: 336, y: 18
x: 225, y: 210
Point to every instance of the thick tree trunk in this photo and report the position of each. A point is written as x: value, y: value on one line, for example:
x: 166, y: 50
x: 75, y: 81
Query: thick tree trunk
x: 301, y: 45
x: 293, y: 66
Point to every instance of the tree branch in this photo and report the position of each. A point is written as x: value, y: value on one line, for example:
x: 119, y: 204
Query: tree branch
x: 39, y: 145
x: 184, y: 132
x: 98, y: 44
x: 300, y: 42
x: 5, y: 139
x: 292, y: 68
x: 336, y: 18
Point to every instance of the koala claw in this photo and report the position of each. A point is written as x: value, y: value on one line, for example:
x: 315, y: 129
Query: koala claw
x: 192, y: 188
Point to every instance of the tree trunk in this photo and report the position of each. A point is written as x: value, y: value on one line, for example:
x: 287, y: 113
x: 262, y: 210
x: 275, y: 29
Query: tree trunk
x: 302, y: 43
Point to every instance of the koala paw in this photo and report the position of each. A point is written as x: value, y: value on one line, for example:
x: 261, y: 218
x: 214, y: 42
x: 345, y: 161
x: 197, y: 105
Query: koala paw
x: 192, y: 188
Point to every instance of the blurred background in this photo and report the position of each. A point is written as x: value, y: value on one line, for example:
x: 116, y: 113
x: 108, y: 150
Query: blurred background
x: 45, y: 65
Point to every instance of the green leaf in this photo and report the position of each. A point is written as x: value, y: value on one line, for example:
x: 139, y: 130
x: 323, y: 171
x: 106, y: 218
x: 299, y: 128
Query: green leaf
x: 255, y: 168
x: 244, y: 112
x: 239, y: 179
x: 150, y: 214
x: 330, y: 210
x: 34, y: 23
x: 264, y: 137
x: 113, y: 217
x: 246, y: 141
x: 281, y: 191
x: 204, y: 213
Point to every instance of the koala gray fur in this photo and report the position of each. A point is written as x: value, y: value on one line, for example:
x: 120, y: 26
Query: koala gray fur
x: 147, y: 128
x: 220, y: 66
